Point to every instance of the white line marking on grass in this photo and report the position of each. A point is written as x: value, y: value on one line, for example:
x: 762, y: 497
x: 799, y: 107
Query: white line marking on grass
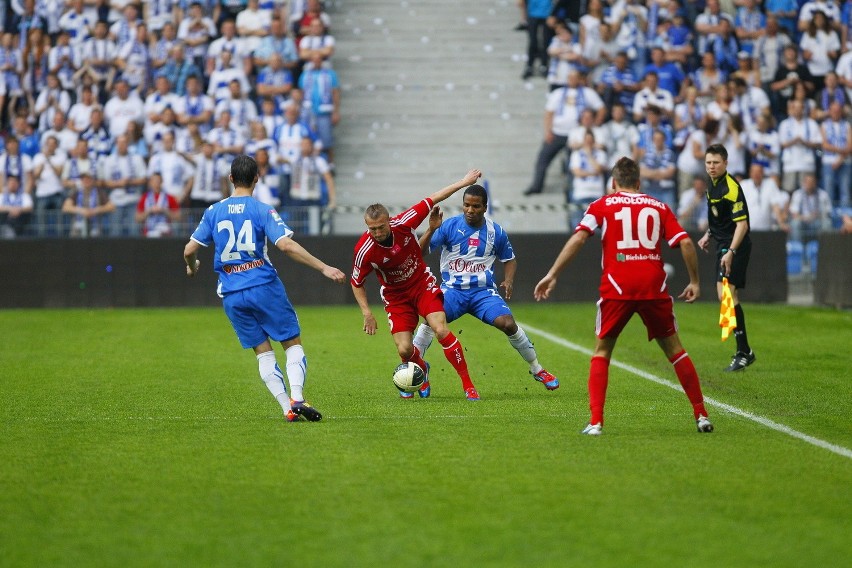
x: 840, y: 450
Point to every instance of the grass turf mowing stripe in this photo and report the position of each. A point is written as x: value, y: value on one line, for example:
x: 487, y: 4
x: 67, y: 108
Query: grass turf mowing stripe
x: 839, y: 450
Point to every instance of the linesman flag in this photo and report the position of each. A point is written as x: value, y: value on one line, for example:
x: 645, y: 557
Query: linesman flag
x: 727, y: 316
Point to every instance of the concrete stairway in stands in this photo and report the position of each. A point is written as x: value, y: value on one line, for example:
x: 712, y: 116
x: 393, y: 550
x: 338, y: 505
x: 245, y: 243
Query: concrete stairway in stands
x: 429, y: 90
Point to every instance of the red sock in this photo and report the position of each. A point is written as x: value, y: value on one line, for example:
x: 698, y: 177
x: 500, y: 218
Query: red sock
x: 455, y: 355
x: 598, y: 379
x: 416, y: 358
x: 688, y: 378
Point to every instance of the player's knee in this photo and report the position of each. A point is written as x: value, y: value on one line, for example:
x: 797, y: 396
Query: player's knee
x: 506, y: 324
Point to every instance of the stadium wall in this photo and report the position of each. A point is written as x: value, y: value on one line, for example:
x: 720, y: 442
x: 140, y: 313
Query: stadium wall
x: 833, y: 285
x: 103, y: 273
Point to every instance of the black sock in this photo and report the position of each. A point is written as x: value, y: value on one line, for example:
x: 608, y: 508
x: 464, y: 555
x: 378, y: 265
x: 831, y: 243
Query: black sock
x: 740, y: 332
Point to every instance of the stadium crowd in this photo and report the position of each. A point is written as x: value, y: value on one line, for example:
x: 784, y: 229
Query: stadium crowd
x: 120, y: 118
x: 660, y: 80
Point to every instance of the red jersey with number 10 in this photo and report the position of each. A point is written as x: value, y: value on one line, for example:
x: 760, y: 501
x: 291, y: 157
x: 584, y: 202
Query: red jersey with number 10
x: 400, y: 266
x: 632, y: 227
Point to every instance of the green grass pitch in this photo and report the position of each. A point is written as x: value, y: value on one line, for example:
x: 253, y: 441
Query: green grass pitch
x: 146, y: 438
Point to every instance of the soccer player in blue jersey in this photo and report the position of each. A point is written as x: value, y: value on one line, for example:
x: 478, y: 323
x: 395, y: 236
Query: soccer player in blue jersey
x: 470, y: 243
x: 252, y: 294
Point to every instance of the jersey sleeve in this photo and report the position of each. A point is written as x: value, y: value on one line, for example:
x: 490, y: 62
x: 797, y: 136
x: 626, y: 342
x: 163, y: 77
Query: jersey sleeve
x: 502, y: 246
x: 439, y: 238
x: 203, y: 234
x: 414, y: 215
x: 673, y: 232
x: 739, y: 212
x: 592, y: 218
x: 361, y: 266
x: 275, y: 227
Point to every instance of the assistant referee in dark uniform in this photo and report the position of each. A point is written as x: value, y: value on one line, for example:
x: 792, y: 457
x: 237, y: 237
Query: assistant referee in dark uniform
x: 727, y: 213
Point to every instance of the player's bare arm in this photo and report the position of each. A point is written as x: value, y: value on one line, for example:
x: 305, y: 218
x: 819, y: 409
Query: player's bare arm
x: 190, y: 257
x: 436, y: 217
x: 704, y: 241
x: 569, y: 251
x: 446, y: 192
x: 508, y: 283
x: 728, y: 258
x: 369, y: 320
x: 690, y: 258
x: 298, y: 253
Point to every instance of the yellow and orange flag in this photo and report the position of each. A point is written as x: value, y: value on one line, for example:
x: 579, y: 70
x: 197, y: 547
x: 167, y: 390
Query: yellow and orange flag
x: 727, y: 316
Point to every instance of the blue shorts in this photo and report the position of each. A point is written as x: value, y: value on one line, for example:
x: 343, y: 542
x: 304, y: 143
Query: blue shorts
x: 260, y: 313
x: 483, y: 303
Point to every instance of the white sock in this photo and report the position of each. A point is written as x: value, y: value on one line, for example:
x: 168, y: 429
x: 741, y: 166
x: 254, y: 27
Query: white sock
x: 524, y: 347
x: 297, y: 369
x: 273, y: 378
x: 423, y: 338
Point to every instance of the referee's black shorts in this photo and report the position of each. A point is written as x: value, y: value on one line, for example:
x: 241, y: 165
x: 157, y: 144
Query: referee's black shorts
x: 739, y: 265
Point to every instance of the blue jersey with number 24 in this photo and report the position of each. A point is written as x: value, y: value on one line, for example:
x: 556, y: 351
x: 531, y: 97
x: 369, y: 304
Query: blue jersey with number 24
x: 239, y: 227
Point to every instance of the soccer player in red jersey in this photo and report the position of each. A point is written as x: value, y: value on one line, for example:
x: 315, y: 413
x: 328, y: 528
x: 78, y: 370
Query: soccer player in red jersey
x: 633, y: 226
x: 408, y: 288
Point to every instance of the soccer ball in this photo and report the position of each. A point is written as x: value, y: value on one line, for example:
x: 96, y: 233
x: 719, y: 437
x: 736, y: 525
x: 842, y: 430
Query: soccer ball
x: 408, y: 377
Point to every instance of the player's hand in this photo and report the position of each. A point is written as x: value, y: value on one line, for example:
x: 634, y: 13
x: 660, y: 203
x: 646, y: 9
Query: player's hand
x: 333, y: 273
x: 543, y: 288
x: 370, y: 325
x: 690, y: 293
x: 471, y: 177
x: 436, y: 217
x: 725, y: 264
x: 508, y: 287
x: 190, y: 271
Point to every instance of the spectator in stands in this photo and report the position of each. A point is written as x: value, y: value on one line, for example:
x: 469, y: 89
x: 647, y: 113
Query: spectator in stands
x: 268, y: 182
x: 260, y: 140
x: 678, y: 41
x: 156, y: 210
x: 11, y: 65
x: 764, y: 145
x: 577, y: 135
x: 229, y: 43
x: 154, y: 131
x: 800, y: 136
x: 538, y: 36
x: 97, y: 136
x: 178, y: 69
x: 820, y: 46
x: 669, y: 75
x: 562, y: 113
x: 311, y: 187
x: 629, y: 21
x: 652, y: 95
x: 619, y: 136
x: 844, y: 70
x: 124, y: 28
x: 220, y: 80
x: 790, y: 73
x: 278, y: 42
x: 657, y: 171
x: 837, y: 156
x: 767, y: 204
x: 750, y: 25
x: 688, y: 115
x: 810, y: 210
x: 243, y: 111
x: 161, y: 49
x: 709, y: 27
x: 564, y: 54
x: 769, y: 52
x: 227, y: 141
x: 87, y: 207
x: 734, y: 139
x: 270, y: 116
x: 122, y: 177
x: 123, y: 108
x: 653, y: 121
x: 76, y: 165
x: 748, y: 102
x: 51, y: 100
x: 174, y: 169
x: 133, y: 60
x: 322, y: 98
x: 588, y: 169
x: 784, y: 12
x: 707, y: 78
x: 13, y: 162
x: 66, y: 137
x: 136, y: 140
x: 195, y: 107
x: 832, y: 92
x: 47, y: 184
x: 80, y: 115
x: 618, y: 83
x: 810, y: 8
x: 726, y: 48
x: 316, y: 41
x: 196, y: 32
x: 16, y: 207
x: 63, y: 59
x: 252, y: 25
x: 98, y: 53
x: 77, y: 22
x: 229, y: 10
x: 208, y: 185
x: 748, y: 71
x: 159, y: 100
x: 692, y: 206
x: 274, y: 81
x: 690, y: 161
x: 289, y: 137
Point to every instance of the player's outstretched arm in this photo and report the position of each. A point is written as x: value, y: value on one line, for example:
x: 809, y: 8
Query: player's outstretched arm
x: 298, y: 253
x: 369, y: 321
x: 436, y: 217
x: 569, y: 251
x: 467, y: 180
x: 190, y: 257
x: 690, y: 259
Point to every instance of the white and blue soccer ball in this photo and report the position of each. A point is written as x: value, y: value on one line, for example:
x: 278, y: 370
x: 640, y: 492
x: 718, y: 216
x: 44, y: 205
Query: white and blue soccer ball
x: 408, y: 377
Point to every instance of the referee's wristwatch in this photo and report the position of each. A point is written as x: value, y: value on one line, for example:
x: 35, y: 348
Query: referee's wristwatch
x: 732, y: 251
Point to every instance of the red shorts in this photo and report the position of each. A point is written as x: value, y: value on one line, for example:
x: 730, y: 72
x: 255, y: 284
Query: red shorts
x: 657, y: 315
x: 404, y: 311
